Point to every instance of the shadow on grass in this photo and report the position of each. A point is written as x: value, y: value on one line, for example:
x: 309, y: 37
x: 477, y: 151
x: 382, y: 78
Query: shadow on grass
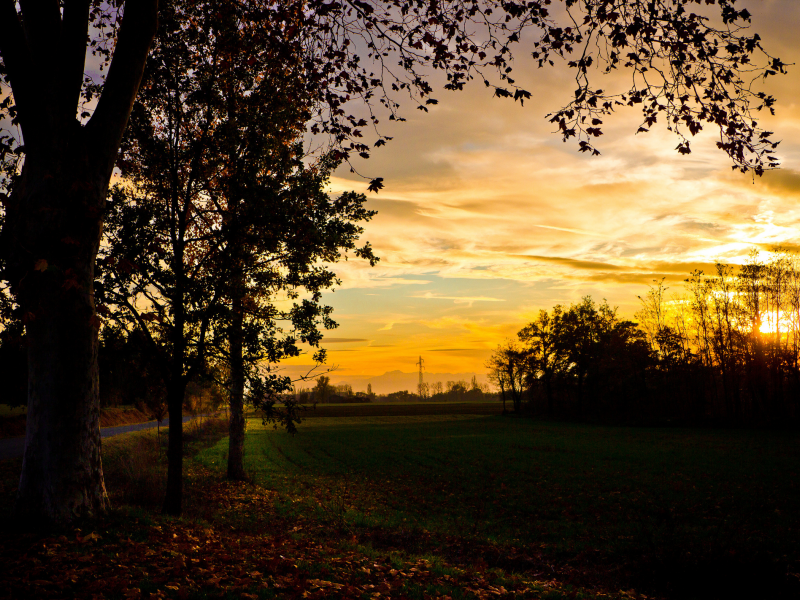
x: 244, y: 513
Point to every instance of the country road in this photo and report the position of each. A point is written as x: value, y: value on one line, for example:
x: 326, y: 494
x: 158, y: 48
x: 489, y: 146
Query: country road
x: 14, y: 447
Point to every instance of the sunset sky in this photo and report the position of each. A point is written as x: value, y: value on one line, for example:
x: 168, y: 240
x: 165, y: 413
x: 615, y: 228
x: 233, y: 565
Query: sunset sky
x: 488, y: 217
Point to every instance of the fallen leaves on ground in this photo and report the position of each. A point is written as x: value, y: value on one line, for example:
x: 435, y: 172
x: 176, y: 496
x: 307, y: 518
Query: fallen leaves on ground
x: 128, y: 556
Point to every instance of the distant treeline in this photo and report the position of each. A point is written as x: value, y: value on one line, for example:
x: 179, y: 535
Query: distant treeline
x: 453, y: 391
x: 725, y: 351
x: 324, y: 392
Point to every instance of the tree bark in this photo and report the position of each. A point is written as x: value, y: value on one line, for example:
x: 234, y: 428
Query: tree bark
x: 173, y: 500
x: 51, y: 235
x: 237, y: 419
x: 176, y: 388
x: 54, y: 223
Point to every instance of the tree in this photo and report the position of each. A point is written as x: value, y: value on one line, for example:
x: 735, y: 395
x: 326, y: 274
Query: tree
x: 544, y: 354
x: 586, y: 350
x: 423, y: 390
x: 578, y: 338
x: 683, y: 67
x: 52, y: 229
x: 344, y: 389
x: 745, y: 335
x: 322, y: 390
x: 507, y: 369
x: 219, y: 216
x: 129, y: 370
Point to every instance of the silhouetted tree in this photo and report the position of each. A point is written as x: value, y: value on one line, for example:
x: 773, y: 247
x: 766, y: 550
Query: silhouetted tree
x: 544, y: 355
x: 220, y: 217
x: 323, y: 389
x: 507, y: 369
x: 725, y: 352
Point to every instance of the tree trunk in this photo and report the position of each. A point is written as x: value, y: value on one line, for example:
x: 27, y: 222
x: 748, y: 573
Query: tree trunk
x: 516, y: 397
x: 51, y: 236
x: 176, y: 390
x: 237, y: 420
x: 173, y: 501
x: 548, y: 384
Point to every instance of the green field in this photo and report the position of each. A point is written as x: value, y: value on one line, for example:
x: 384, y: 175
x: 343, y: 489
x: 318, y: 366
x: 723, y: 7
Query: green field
x: 683, y: 513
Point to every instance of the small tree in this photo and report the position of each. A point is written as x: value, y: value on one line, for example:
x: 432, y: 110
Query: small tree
x: 322, y: 390
x: 423, y: 390
x: 507, y: 369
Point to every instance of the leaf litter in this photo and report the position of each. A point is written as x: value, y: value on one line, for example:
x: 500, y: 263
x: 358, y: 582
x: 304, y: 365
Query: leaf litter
x: 237, y: 546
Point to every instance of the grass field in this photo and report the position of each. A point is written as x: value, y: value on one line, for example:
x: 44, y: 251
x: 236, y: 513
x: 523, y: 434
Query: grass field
x: 685, y: 513
x: 397, y: 501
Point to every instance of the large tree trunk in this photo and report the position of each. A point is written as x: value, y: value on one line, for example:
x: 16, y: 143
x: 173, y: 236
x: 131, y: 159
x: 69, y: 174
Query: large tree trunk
x: 51, y: 234
x: 53, y: 228
x: 238, y: 421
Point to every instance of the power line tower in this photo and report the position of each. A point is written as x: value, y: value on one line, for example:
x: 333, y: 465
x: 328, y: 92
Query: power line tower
x: 421, y: 364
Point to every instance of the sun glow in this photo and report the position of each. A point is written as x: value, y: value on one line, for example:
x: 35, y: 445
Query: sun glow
x: 785, y: 322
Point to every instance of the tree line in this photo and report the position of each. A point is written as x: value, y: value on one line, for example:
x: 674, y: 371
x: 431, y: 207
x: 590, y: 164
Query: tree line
x: 725, y: 350
x: 324, y: 392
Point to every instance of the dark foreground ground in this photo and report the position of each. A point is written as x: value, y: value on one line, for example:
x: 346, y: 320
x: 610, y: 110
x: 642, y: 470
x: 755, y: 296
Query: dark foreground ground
x: 422, y: 505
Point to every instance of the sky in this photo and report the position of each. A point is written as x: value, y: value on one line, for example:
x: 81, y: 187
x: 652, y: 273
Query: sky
x: 488, y: 217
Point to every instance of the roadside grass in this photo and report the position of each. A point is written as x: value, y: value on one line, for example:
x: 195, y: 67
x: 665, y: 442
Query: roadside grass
x: 667, y: 510
x: 135, y: 464
x: 12, y: 411
x: 122, y: 415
